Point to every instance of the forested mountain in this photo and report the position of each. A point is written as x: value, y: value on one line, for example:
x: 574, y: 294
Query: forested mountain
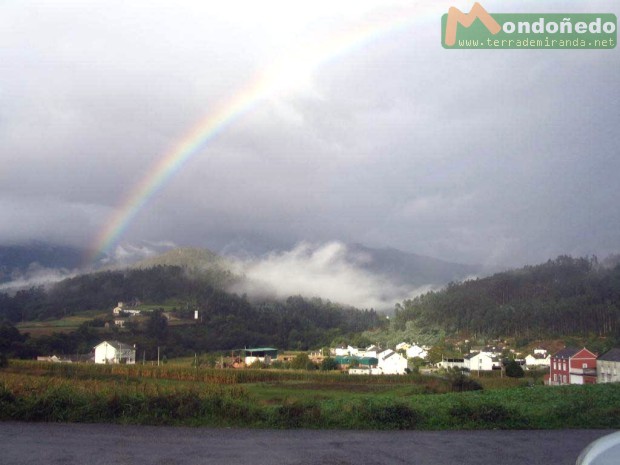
x: 187, y: 257
x: 226, y: 320
x: 565, y: 296
x: 409, y: 268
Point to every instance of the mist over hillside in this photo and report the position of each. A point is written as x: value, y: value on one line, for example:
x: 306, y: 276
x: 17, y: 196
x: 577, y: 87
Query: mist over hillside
x: 350, y: 274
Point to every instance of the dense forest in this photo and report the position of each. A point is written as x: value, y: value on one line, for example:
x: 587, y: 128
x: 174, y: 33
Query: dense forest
x: 565, y: 296
x: 227, y: 321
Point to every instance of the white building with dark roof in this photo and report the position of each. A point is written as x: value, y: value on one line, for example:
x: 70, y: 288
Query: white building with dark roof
x: 392, y: 363
x: 480, y: 361
x: 537, y: 360
x: 608, y: 367
x: 115, y: 352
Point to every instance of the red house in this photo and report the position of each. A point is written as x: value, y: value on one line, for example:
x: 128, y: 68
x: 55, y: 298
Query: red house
x: 572, y: 366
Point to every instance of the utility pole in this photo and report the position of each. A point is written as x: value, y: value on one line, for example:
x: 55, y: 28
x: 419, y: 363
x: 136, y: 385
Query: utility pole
x: 157, y: 355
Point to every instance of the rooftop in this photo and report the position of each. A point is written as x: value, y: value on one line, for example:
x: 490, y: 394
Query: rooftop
x: 612, y: 355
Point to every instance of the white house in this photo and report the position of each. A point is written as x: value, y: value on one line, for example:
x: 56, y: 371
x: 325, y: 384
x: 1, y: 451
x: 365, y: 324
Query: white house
x: 608, y: 367
x: 343, y: 352
x: 264, y: 355
x: 540, y: 351
x: 115, y: 352
x: 479, y: 361
x: 119, y: 310
x: 370, y: 351
x: 392, y: 363
x: 365, y: 371
x: 447, y: 363
x: 402, y: 346
x: 416, y: 351
x: 537, y: 360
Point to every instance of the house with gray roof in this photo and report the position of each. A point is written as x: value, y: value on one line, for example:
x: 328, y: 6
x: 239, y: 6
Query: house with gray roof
x: 608, y: 367
x: 115, y: 352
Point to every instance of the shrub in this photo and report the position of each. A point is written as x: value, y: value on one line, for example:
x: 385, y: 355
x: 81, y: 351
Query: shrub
x: 393, y: 416
x: 297, y: 414
x: 514, y: 370
x: 485, y: 415
x: 459, y: 383
x: 329, y: 364
x: 302, y: 362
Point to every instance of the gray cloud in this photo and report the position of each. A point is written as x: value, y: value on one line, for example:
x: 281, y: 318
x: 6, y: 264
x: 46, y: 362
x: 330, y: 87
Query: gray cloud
x: 496, y: 157
x: 324, y: 270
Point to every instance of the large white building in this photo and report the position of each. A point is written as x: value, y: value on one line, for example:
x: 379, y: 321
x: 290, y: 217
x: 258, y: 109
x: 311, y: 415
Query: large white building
x: 412, y: 350
x: 115, y: 352
x: 392, y: 363
x: 415, y: 351
x: 537, y: 360
x: 480, y: 361
x: 608, y: 367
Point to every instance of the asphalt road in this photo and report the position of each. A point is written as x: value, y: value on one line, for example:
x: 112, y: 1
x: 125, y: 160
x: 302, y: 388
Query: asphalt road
x: 68, y: 444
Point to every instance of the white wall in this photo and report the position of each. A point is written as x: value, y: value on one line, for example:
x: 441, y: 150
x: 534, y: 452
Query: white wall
x: 105, y: 353
x: 607, y: 371
x: 392, y: 363
x: 480, y: 362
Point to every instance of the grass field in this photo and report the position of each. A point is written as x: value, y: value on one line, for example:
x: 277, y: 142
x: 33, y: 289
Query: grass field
x: 62, y: 325
x: 181, y: 395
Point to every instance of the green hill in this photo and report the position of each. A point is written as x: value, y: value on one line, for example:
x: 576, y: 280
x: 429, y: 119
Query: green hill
x: 565, y: 296
x: 189, y: 257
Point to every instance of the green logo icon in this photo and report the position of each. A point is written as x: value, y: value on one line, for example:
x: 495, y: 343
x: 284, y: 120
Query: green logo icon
x: 479, y: 29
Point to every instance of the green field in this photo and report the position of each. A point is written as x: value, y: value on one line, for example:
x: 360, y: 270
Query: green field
x: 62, y: 325
x: 181, y: 395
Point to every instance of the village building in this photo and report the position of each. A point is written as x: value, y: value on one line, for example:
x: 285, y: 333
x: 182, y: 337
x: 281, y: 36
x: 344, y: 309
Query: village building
x: 120, y: 309
x: 356, y: 365
x: 402, y: 346
x: 540, y: 351
x: 53, y: 359
x: 370, y: 351
x: 338, y: 351
x: 392, y: 363
x: 260, y: 354
x: 481, y: 361
x: 608, y: 367
x: 115, y: 352
x: 537, y: 361
x: 572, y: 366
x: 415, y: 351
x: 450, y: 363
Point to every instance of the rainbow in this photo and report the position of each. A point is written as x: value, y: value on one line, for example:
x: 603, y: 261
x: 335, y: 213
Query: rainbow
x: 301, y: 61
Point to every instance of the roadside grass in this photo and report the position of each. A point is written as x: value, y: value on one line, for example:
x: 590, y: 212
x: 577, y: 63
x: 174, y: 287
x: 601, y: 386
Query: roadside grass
x: 181, y: 395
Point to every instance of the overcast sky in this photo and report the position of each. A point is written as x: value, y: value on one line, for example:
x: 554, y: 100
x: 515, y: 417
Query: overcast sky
x: 498, y: 157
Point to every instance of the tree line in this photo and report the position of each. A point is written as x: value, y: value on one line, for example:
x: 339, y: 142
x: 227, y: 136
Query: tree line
x: 227, y: 320
x: 565, y: 296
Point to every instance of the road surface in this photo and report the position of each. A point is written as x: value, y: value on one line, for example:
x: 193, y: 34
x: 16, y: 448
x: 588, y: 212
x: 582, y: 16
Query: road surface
x: 84, y: 444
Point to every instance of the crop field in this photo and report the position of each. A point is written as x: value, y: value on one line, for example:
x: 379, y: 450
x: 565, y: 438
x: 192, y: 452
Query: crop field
x: 181, y: 395
x: 62, y: 325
